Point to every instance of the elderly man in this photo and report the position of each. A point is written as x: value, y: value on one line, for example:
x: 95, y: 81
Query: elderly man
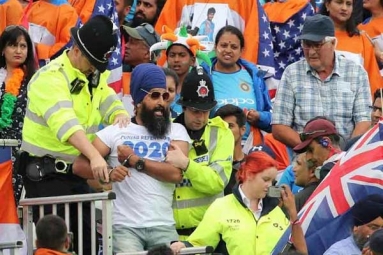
x: 368, y: 218
x: 322, y: 84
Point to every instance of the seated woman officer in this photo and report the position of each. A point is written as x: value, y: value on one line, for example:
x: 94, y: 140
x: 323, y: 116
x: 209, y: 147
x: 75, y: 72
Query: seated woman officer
x: 248, y: 221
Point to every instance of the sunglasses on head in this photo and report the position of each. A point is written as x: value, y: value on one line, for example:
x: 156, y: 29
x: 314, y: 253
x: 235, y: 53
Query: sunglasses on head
x: 155, y: 95
x: 305, y: 135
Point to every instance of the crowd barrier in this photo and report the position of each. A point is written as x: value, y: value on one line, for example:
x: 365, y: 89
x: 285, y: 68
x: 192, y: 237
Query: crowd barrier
x: 184, y: 251
x: 13, y: 247
x: 106, y: 200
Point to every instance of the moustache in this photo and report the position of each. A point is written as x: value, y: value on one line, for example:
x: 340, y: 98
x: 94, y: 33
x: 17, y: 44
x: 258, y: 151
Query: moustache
x: 140, y: 12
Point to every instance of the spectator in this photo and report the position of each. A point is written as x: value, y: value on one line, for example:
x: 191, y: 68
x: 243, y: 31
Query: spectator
x: 141, y: 147
x: 147, y: 11
x: 351, y: 43
x: 248, y: 221
x: 172, y: 83
x: 321, y: 142
x: 373, y: 27
x: 239, y: 82
x: 306, y: 178
x: 376, y: 242
x: 122, y: 9
x: 62, y: 119
x: 136, y: 44
x: 288, y: 178
x: 16, y: 69
x: 367, y: 214
x: 236, y: 119
x: 376, y: 114
x: 51, y: 33
x: 52, y: 236
x: 11, y: 12
x: 208, y: 166
x: 322, y: 84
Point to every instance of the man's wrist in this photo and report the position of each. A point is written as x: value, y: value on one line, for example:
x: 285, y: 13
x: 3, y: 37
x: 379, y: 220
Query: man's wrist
x: 126, y: 162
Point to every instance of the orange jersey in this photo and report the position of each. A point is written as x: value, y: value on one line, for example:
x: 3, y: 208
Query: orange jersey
x: 49, y: 26
x: 361, y: 50
x: 10, y: 13
x: 84, y: 8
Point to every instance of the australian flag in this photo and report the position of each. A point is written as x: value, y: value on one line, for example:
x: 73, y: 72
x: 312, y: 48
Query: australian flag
x: 326, y: 216
x: 108, y: 8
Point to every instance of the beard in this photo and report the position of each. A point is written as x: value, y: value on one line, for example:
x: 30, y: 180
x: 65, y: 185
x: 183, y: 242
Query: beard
x: 158, y: 126
x: 360, y: 240
x: 139, y: 20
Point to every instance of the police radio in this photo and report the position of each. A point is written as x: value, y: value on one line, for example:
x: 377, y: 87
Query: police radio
x: 76, y: 86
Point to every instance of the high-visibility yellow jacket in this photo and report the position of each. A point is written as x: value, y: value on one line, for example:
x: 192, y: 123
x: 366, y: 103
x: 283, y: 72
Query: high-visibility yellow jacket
x: 206, y: 176
x: 53, y: 114
x: 230, y: 219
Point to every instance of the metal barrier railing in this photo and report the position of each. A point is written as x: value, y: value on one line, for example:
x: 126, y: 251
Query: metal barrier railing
x: 106, y: 199
x: 13, y: 247
x: 184, y: 251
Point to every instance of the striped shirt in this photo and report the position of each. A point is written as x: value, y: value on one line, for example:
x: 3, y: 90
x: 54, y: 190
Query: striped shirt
x: 343, y: 97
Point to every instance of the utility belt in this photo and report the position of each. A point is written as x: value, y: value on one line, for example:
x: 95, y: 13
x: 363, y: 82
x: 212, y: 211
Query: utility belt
x: 185, y: 231
x: 37, y: 168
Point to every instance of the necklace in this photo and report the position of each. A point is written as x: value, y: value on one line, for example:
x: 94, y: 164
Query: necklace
x: 12, y: 89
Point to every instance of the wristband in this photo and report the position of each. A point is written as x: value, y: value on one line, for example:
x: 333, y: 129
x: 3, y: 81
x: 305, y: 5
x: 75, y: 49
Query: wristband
x: 125, y: 163
x: 296, y: 222
x: 186, y: 168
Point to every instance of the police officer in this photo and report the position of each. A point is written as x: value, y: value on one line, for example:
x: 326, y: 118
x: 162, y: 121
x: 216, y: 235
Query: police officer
x: 68, y: 99
x: 207, y: 169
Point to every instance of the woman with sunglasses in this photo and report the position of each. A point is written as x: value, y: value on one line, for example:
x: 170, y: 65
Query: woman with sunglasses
x: 352, y: 43
x: 249, y: 221
x: 16, y: 68
x: 239, y: 82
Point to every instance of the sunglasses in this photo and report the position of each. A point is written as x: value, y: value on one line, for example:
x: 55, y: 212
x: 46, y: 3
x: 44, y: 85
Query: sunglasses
x: 155, y: 95
x: 11, y: 27
x: 305, y: 135
x: 374, y: 108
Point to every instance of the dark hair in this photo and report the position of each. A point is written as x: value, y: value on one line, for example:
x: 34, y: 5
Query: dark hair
x: 160, y: 6
x: 233, y: 30
x: 51, y: 232
x: 350, y: 23
x: 211, y: 10
x: 160, y: 250
x: 173, y: 74
x: 128, y: 2
x: 377, y: 93
x: 232, y: 110
x: 9, y: 37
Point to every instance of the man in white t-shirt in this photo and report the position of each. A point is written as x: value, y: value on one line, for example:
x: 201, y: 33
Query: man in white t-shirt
x: 142, y: 181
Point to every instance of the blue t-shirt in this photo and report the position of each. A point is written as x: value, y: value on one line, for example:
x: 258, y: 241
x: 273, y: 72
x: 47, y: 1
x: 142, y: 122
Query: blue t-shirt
x: 235, y: 88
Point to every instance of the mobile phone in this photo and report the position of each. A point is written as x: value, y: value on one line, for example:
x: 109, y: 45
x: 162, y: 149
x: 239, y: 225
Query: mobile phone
x: 274, y: 191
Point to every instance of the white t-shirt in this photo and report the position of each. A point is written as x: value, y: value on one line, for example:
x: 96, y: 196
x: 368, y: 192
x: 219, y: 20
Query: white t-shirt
x: 141, y: 201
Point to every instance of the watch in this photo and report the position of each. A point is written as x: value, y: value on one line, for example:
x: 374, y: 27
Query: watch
x: 140, y: 165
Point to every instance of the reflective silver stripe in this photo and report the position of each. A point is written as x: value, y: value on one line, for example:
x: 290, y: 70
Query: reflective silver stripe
x: 113, y: 110
x: 56, y: 107
x: 36, y: 119
x: 66, y: 126
x: 92, y: 129
x: 34, y: 150
x: 212, y: 145
x: 221, y: 171
x: 213, y: 140
x: 65, y: 76
x: 104, y: 106
x: 196, y: 202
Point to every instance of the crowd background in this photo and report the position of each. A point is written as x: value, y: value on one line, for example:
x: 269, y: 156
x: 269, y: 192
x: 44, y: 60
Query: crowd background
x: 296, y: 89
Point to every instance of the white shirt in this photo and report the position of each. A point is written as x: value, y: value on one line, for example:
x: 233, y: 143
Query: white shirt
x: 246, y: 201
x: 142, y: 201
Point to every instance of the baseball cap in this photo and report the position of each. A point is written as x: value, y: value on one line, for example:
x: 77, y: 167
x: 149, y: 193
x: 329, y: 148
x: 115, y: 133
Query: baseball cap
x: 314, y: 129
x: 317, y: 27
x: 144, y: 32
